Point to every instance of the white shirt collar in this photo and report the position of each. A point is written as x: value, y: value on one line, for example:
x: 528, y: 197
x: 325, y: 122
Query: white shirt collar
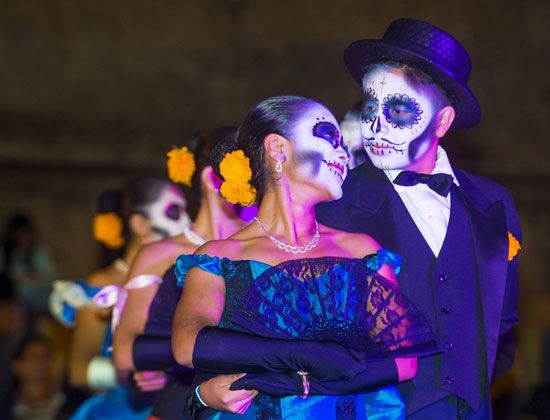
x: 442, y: 166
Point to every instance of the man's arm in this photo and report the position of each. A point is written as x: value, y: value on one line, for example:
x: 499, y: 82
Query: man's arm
x: 509, y: 318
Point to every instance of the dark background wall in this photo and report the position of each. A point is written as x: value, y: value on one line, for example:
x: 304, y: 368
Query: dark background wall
x: 94, y: 92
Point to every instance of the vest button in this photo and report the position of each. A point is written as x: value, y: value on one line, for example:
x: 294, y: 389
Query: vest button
x: 450, y: 379
x: 449, y: 345
x: 445, y: 310
x: 442, y: 278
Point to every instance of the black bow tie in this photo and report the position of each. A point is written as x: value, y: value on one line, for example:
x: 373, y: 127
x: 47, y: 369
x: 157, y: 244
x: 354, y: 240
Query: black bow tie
x: 440, y: 183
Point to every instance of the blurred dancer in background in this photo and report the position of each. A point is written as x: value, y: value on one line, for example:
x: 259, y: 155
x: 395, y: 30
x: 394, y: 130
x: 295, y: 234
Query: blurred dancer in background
x: 351, y: 135
x: 142, y: 338
x: 148, y: 209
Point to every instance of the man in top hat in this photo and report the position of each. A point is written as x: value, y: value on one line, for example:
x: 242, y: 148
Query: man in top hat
x: 458, y: 233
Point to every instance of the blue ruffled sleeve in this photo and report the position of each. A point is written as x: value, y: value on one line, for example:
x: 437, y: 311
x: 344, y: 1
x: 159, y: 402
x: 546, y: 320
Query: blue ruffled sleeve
x: 385, y: 256
x: 184, y: 263
x: 67, y: 297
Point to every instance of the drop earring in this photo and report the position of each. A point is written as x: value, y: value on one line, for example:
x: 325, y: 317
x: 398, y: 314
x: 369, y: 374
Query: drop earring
x: 279, y: 166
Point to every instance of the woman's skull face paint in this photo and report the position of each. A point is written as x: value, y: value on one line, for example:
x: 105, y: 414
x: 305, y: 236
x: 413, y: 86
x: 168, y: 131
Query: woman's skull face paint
x: 319, y: 152
x: 168, y: 214
x: 396, y: 122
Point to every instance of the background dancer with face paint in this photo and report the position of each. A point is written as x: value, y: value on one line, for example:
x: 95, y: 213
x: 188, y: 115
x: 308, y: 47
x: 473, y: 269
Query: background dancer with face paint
x: 351, y: 135
x: 130, y: 219
x: 311, y: 293
x: 142, y: 337
x: 458, y: 233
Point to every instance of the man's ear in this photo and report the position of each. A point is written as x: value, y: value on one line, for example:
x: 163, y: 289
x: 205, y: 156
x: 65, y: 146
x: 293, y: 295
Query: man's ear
x: 445, y: 118
x: 139, y: 225
x: 276, y: 147
x: 210, y: 180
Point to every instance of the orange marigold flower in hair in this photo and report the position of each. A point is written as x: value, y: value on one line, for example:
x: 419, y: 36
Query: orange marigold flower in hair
x: 238, y: 193
x: 108, y: 230
x: 235, y: 167
x: 513, y: 246
x: 181, y: 165
x: 236, y: 173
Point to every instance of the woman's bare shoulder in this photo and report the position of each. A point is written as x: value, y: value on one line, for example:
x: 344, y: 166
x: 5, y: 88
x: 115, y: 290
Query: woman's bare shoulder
x: 106, y: 276
x: 160, y: 253
x: 357, y: 244
x: 221, y: 248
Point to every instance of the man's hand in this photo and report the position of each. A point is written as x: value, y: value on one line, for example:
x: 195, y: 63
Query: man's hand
x: 150, y: 380
x: 216, y: 393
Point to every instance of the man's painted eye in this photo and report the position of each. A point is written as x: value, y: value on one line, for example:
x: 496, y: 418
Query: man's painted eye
x: 328, y: 131
x: 370, y: 106
x: 173, y: 211
x: 401, y: 111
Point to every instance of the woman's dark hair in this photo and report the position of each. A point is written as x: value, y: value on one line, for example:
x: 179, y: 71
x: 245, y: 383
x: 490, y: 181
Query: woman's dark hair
x: 137, y: 195
x: 110, y: 201
x: 141, y: 192
x: 202, y: 144
x: 134, y: 198
x: 275, y: 115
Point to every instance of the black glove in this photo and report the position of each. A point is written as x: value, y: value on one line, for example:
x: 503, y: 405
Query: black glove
x: 151, y: 352
x: 219, y: 350
x: 377, y: 374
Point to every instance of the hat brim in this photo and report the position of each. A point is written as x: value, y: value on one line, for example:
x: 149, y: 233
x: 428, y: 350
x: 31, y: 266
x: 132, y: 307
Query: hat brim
x: 360, y: 54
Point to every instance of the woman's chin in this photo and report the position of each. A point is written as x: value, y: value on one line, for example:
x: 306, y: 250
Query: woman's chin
x: 332, y: 195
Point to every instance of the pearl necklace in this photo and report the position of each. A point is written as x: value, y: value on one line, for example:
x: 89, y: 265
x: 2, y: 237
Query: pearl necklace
x: 295, y: 249
x: 193, y: 236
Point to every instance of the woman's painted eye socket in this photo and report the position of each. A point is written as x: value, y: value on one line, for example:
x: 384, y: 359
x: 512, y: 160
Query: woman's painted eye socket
x: 401, y: 111
x: 328, y: 131
x: 370, y: 106
x: 173, y: 211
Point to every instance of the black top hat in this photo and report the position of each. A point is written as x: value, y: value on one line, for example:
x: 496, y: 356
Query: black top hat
x: 428, y: 48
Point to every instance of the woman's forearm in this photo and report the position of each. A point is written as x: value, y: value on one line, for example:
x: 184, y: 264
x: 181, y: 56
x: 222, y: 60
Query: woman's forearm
x: 132, y: 323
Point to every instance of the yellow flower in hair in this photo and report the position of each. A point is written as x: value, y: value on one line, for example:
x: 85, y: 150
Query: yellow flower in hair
x: 236, y: 172
x: 513, y: 246
x: 235, y: 167
x: 108, y: 230
x: 181, y: 165
x: 243, y: 194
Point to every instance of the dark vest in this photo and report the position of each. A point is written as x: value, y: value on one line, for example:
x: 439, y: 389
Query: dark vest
x: 442, y: 288
x: 437, y: 286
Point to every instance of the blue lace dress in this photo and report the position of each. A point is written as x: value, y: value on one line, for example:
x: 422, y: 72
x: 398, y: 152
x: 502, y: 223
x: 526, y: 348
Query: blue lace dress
x: 342, y: 299
x: 111, y: 404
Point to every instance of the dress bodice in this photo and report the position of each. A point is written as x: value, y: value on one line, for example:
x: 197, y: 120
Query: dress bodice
x: 343, y: 299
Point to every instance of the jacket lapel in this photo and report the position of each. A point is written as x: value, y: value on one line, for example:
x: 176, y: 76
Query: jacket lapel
x: 369, y: 206
x: 489, y: 230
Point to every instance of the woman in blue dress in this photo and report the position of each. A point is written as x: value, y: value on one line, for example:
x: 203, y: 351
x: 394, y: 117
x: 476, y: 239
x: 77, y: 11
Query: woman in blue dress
x: 310, y: 314
x: 146, y: 210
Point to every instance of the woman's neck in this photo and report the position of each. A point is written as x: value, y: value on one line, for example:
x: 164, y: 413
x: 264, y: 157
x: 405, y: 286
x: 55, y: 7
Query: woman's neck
x: 131, y: 251
x: 284, y: 215
x: 215, y: 220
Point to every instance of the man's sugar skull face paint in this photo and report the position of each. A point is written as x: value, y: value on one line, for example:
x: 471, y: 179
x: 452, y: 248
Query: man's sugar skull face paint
x: 168, y: 214
x: 319, y: 153
x: 397, y: 122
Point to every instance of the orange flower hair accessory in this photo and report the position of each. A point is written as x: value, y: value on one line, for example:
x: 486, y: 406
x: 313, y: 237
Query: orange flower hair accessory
x: 108, y: 230
x: 236, y: 173
x: 513, y: 246
x: 181, y: 165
